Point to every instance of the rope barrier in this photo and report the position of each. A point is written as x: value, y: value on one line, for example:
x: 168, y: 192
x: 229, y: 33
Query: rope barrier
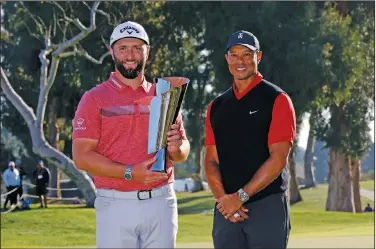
x: 13, y: 190
x: 55, y: 198
x: 63, y: 189
x: 32, y: 185
x: 14, y: 206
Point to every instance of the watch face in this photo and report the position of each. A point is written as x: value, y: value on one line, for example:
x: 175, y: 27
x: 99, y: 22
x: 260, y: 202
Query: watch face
x: 128, y: 174
x: 243, y: 196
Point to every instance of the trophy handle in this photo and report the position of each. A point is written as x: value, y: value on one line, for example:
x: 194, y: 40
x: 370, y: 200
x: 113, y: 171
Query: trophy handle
x: 160, y: 165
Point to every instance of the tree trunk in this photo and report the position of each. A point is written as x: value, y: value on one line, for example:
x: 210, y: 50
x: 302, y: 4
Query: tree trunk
x: 53, y: 139
x: 34, y: 121
x: 294, y: 193
x: 355, y: 169
x: 309, y: 175
x: 81, y: 178
x: 340, y: 193
x: 198, y: 156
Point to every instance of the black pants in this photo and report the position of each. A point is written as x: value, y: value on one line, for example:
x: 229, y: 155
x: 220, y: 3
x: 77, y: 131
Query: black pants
x: 268, y: 225
x: 41, y: 190
x: 20, y: 191
x: 12, y: 197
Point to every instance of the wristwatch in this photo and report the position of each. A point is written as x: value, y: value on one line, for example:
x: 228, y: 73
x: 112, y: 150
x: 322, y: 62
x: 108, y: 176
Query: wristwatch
x: 243, y: 196
x: 128, y: 172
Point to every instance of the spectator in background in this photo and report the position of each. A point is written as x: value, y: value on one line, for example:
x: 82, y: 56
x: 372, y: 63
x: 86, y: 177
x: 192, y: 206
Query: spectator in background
x: 42, y: 178
x: 368, y: 208
x: 11, y: 178
x: 21, y: 170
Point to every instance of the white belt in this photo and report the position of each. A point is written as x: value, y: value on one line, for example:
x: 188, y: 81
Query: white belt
x: 136, y: 195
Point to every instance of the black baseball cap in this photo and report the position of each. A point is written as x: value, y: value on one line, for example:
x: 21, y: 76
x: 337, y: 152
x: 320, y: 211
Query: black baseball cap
x: 243, y: 38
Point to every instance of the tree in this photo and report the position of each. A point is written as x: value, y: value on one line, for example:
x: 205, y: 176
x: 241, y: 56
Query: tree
x: 50, y: 58
x: 309, y: 175
x: 348, y: 73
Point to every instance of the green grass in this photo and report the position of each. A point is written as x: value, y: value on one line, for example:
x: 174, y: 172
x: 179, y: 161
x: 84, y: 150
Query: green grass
x: 314, y: 199
x: 369, y: 184
x: 74, y: 226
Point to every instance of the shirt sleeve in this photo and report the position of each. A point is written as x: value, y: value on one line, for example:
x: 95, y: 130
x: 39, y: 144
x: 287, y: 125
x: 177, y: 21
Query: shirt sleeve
x: 19, y: 179
x: 283, y: 125
x: 47, y: 175
x: 5, y: 177
x: 86, y: 122
x: 209, y: 139
x: 179, y: 121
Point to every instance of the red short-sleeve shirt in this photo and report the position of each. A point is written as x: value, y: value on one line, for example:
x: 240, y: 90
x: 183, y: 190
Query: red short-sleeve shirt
x: 283, y: 124
x: 114, y: 114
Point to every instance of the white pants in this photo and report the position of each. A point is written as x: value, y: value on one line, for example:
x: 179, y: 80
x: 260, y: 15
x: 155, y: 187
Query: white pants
x: 123, y: 222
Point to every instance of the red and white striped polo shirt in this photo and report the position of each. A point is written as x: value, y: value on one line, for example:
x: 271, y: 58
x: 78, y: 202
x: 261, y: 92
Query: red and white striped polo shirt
x: 112, y: 113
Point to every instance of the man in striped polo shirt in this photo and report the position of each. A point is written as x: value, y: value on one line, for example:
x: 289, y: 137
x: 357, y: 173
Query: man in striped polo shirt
x: 250, y: 129
x: 135, y: 207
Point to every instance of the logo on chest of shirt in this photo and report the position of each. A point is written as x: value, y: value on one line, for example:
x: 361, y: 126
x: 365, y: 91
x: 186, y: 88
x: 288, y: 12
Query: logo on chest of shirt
x: 80, y: 122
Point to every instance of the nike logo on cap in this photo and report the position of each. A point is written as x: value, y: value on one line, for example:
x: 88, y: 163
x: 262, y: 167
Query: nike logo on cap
x: 251, y: 112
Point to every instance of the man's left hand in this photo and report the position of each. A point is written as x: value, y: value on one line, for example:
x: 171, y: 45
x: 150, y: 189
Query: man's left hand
x: 229, y: 204
x: 174, y: 139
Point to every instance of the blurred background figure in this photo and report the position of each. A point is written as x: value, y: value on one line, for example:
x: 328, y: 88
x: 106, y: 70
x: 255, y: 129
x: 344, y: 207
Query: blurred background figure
x: 11, y: 178
x: 22, y: 173
x: 368, y: 208
x: 42, y: 178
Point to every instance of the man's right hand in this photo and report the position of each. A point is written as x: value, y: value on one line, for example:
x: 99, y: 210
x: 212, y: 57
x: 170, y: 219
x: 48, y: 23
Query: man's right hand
x: 141, y: 172
x: 242, y: 215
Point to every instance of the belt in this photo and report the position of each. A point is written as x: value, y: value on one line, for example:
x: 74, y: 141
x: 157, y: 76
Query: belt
x: 137, y: 194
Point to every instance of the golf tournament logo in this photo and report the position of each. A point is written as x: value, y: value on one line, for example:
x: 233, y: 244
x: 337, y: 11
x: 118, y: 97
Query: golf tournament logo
x: 80, y: 121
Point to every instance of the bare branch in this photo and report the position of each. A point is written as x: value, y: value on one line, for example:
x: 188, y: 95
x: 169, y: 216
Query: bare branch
x: 76, y: 22
x: 105, y: 14
x: 44, y: 90
x: 25, y: 110
x: 86, y: 55
x: 31, y: 33
x: 42, y: 23
x: 55, y: 23
x: 37, y: 23
x: 83, y: 52
x: 106, y: 44
x: 85, y: 3
x: 68, y: 54
x: 76, y: 39
x: 63, y: 30
x: 59, y: 6
x: 47, y: 79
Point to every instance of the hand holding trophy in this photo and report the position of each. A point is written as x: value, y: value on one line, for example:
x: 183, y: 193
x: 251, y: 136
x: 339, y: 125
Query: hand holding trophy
x: 164, y: 109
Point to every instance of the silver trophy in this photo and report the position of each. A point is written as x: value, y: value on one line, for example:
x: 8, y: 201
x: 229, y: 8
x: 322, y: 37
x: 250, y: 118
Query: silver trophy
x: 164, y: 109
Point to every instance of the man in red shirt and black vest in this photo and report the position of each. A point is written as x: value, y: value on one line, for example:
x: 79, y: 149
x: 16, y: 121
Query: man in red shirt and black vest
x: 250, y: 129
x: 135, y: 207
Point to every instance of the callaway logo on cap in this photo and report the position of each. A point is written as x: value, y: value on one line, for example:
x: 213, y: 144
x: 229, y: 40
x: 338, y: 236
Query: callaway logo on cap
x: 244, y: 38
x: 129, y: 30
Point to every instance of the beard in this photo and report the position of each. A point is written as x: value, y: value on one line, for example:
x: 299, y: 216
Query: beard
x: 129, y: 73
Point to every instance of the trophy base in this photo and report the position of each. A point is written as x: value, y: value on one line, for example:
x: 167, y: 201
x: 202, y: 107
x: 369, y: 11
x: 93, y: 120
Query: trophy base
x: 160, y: 164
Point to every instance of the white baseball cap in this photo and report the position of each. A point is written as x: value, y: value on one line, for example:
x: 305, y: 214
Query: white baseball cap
x: 131, y: 30
x: 11, y: 163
